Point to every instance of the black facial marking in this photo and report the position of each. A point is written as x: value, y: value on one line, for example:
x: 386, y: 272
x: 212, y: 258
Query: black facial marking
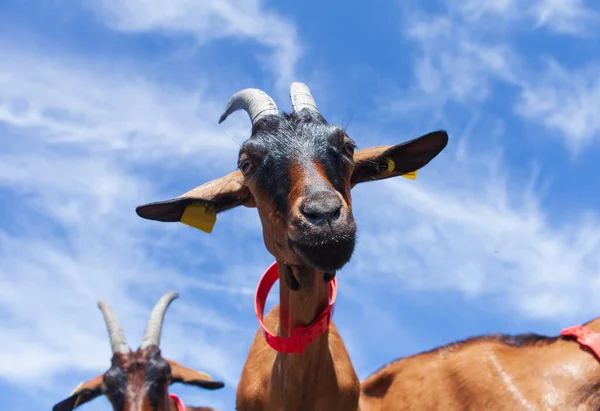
x: 335, y: 161
x: 157, y: 375
x: 328, y: 276
x: 303, y: 136
x: 115, y: 380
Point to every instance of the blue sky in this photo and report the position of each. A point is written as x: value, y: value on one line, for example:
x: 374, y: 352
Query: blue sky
x: 107, y: 104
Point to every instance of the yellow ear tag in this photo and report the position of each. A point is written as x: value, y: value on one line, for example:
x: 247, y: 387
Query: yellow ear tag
x: 412, y: 175
x: 199, y: 216
x: 391, y: 166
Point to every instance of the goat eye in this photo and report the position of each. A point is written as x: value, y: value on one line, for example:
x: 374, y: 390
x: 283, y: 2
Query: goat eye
x: 349, y: 149
x: 246, y: 167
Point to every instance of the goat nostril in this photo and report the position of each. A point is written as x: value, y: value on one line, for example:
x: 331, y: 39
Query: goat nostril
x: 336, y: 214
x: 315, y: 218
x: 320, y: 214
x: 321, y: 208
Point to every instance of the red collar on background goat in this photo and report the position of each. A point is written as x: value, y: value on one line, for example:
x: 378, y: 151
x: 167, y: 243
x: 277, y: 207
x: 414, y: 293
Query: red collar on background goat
x: 301, y: 337
x: 585, y: 337
x: 178, y: 402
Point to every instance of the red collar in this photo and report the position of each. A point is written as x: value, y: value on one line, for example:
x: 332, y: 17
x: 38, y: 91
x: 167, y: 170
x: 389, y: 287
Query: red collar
x: 178, y: 402
x: 585, y: 337
x: 301, y: 337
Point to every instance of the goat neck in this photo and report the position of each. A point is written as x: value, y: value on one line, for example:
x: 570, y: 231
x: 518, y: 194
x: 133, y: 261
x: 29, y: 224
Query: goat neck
x: 303, y: 377
x: 322, y: 377
x: 300, y: 307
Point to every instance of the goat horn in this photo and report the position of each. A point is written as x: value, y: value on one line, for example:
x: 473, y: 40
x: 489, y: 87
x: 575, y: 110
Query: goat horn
x: 118, y: 342
x: 255, y: 102
x: 302, y: 98
x: 155, y: 322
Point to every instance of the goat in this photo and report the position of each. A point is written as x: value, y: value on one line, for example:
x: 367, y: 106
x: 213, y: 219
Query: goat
x: 494, y: 372
x: 298, y: 171
x: 139, y: 380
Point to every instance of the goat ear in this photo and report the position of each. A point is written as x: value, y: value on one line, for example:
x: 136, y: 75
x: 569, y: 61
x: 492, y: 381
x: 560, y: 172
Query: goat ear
x: 188, y: 376
x: 379, y: 163
x: 199, y: 207
x: 83, y: 393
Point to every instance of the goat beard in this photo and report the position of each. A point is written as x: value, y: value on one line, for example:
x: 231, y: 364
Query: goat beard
x: 326, y: 256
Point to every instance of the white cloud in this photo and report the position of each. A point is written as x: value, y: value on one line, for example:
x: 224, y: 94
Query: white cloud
x: 471, y: 227
x: 470, y: 55
x: 454, y: 64
x: 474, y: 9
x: 569, y: 17
x: 565, y: 16
x: 92, y: 247
x: 210, y: 20
x: 567, y: 101
x: 74, y: 141
x: 72, y: 102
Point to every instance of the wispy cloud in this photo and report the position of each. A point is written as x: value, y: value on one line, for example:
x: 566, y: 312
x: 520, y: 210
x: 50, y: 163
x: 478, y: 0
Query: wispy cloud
x: 567, y: 101
x: 474, y: 228
x: 70, y: 101
x: 570, y: 17
x: 210, y: 20
x: 469, y: 51
x: 455, y: 64
x: 74, y: 142
x: 75, y: 240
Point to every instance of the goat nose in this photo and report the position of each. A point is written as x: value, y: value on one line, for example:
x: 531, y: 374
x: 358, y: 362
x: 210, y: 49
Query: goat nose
x: 321, y: 208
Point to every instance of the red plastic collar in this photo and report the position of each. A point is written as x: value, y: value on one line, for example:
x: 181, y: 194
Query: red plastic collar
x: 301, y: 337
x: 585, y: 337
x: 178, y: 402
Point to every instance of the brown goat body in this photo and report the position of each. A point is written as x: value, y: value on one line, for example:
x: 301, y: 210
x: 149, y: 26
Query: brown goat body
x: 494, y: 372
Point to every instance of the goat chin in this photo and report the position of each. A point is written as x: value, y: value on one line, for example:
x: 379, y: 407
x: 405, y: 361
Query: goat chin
x: 325, y: 257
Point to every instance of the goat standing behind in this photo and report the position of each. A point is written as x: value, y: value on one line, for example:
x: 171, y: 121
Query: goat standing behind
x: 138, y: 380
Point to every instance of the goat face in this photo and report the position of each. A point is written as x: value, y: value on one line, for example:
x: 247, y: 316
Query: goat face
x: 138, y: 380
x: 298, y: 171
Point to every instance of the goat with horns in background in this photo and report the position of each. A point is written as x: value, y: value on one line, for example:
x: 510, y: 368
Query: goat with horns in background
x: 139, y: 380
x: 298, y: 171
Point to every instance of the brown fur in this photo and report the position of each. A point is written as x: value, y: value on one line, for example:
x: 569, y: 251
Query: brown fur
x: 490, y: 373
x: 298, y: 178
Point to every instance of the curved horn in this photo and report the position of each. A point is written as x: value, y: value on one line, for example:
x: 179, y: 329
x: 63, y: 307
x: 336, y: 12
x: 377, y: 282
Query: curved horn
x: 118, y: 342
x: 155, y: 322
x: 255, y: 102
x: 302, y: 98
